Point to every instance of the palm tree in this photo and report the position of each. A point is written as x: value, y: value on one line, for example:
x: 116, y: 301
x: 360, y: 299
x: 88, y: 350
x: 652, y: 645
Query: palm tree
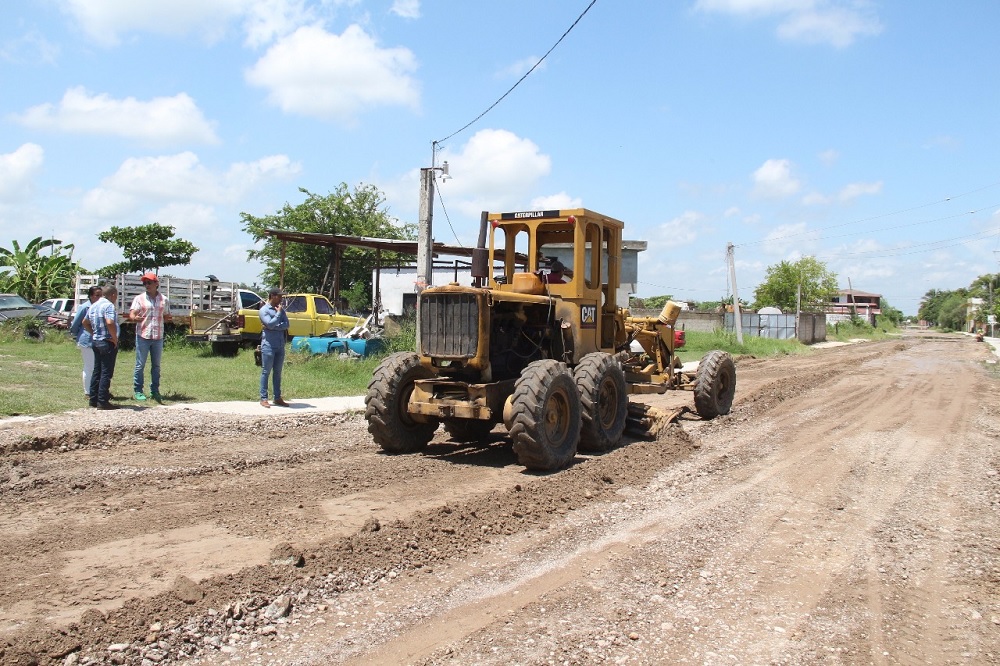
x: 35, y: 274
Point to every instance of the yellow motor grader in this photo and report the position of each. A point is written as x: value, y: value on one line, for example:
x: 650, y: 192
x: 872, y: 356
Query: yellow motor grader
x: 554, y: 358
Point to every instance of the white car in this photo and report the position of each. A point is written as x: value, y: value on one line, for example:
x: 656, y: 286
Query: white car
x: 63, y: 305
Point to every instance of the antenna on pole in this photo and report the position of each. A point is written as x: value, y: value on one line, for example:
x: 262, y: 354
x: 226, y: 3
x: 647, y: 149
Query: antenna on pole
x: 425, y: 225
x: 737, y: 315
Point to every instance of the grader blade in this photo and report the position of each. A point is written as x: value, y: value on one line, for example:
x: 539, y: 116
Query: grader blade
x: 648, y: 422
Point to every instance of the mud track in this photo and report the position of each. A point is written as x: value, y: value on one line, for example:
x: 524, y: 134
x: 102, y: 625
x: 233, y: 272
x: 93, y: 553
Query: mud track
x: 845, y: 512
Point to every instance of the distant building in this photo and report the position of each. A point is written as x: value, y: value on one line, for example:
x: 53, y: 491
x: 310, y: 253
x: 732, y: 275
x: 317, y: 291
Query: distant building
x: 852, y: 301
x: 972, y: 308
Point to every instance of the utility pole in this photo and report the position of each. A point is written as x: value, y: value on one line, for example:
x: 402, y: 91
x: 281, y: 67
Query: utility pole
x: 425, y: 232
x: 737, y: 315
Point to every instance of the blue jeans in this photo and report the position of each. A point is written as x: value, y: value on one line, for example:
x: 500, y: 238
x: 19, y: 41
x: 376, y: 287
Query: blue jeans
x: 272, y: 359
x: 105, y: 355
x: 153, y: 349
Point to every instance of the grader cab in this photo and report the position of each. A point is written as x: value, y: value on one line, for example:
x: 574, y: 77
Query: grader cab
x: 552, y: 357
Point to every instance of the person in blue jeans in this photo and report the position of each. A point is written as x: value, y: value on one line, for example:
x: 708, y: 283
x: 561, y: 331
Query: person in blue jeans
x: 82, y: 337
x: 150, y: 311
x: 274, y: 327
x: 102, y: 324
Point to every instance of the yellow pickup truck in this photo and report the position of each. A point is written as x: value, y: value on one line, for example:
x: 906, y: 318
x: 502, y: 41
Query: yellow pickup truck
x: 308, y: 314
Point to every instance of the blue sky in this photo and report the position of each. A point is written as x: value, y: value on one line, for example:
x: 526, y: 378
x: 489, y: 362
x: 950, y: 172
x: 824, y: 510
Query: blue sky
x: 864, y: 133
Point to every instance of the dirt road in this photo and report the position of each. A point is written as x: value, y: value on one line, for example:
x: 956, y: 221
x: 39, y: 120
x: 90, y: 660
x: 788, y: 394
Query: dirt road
x: 845, y: 512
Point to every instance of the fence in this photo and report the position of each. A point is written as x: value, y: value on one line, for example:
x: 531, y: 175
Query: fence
x: 811, y: 327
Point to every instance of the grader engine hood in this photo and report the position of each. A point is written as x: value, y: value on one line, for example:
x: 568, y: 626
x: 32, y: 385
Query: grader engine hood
x: 483, y: 334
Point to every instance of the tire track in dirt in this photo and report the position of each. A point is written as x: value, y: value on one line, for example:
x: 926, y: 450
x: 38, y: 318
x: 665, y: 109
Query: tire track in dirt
x: 817, y: 503
x: 701, y: 557
x: 127, y: 524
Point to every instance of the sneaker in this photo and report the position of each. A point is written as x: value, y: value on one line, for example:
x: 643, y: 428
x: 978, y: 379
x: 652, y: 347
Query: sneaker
x: 139, y: 395
x: 106, y: 405
x: 155, y: 395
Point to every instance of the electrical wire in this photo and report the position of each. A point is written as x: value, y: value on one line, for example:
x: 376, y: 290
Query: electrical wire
x: 446, y: 216
x: 477, y: 118
x: 904, y: 251
x: 877, y: 217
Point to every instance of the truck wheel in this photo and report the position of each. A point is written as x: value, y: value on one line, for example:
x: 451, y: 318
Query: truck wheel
x: 390, y: 424
x: 545, y: 416
x: 225, y: 348
x: 469, y: 430
x: 715, y: 384
x: 603, y: 401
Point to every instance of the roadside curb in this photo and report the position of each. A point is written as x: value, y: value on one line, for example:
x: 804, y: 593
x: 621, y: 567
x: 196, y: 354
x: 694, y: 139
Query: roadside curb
x: 296, y: 407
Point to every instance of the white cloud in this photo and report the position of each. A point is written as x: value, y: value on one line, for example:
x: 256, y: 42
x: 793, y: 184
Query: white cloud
x: 942, y: 142
x: 496, y: 170
x: 791, y: 240
x: 677, y: 232
x: 406, y: 8
x: 732, y: 211
x: 30, y: 48
x: 815, y: 199
x: 829, y: 156
x: 835, y: 22
x: 847, y: 194
x: 838, y: 26
x: 179, y: 178
x: 521, y: 67
x: 558, y: 201
x: 335, y: 77
x: 774, y: 179
x: 160, y: 120
x: 106, y: 21
x: 267, y: 20
x: 189, y: 219
x: 855, y: 190
x: 18, y: 170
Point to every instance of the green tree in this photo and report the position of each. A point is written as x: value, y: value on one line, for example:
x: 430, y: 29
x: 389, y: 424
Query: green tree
x: 953, y: 309
x: 649, y: 302
x: 362, y: 212
x: 42, y: 269
x: 931, y: 305
x: 149, y: 247
x: 889, y: 313
x: 780, y: 287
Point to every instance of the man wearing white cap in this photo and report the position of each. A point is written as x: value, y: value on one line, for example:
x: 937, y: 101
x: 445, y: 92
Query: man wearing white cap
x: 149, y: 311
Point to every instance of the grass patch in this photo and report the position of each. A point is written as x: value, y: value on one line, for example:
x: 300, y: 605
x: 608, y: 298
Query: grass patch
x: 45, y: 376
x: 698, y: 344
x: 845, y: 331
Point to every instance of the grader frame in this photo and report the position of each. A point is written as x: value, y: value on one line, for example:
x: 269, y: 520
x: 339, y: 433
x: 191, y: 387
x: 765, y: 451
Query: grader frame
x: 554, y: 361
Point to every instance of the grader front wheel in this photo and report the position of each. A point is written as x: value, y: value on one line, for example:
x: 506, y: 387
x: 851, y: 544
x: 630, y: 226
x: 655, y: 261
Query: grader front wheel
x: 545, y: 416
x: 390, y: 424
x: 715, y: 385
x: 603, y: 401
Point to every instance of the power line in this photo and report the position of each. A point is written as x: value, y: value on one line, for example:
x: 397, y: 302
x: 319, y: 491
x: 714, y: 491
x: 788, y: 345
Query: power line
x: 446, y: 216
x: 474, y: 120
x: 903, y: 251
x: 877, y: 217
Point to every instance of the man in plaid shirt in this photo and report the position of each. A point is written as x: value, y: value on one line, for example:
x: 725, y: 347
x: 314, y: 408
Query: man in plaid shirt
x: 149, y: 311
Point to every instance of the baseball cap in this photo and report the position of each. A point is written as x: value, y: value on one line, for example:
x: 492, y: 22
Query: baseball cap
x: 150, y: 277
